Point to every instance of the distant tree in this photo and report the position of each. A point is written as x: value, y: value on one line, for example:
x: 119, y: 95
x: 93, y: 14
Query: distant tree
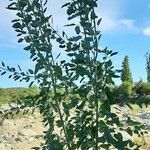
x: 148, y: 66
x: 126, y: 73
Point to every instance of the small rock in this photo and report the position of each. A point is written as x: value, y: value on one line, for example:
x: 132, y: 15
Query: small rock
x: 2, y: 146
x: 28, y: 133
x: 144, y: 115
x: 1, y: 139
x: 39, y: 136
x: 18, y: 139
x: 8, y: 139
x: 28, y: 126
x: 31, y: 139
x: 9, y: 124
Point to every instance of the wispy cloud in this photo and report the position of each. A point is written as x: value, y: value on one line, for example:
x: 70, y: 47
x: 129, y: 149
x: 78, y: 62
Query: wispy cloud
x: 6, y: 16
x: 114, y: 18
x: 109, y: 25
x: 111, y: 12
x: 146, y: 31
x: 128, y: 23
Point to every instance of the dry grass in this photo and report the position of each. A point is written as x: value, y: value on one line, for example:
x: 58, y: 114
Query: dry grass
x: 143, y: 141
x: 136, y: 109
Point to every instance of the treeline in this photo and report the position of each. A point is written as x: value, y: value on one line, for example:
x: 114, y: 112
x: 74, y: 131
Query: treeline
x: 138, y: 92
x: 127, y: 90
x: 130, y: 90
x: 13, y: 95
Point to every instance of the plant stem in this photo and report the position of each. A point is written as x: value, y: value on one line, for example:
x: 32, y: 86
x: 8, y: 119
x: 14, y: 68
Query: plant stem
x: 60, y: 115
x: 96, y: 110
x: 58, y: 107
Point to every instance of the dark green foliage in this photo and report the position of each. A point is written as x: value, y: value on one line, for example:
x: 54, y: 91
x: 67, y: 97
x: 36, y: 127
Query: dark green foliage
x: 125, y: 89
x: 82, y: 108
x: 142, y: 88
x: 126, y: 73
x: 14, y: 95
x: 148, y: 66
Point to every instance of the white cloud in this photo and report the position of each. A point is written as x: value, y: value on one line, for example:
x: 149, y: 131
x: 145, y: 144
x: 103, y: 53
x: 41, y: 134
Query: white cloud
x: 108, y: 23
x: 116, y: 24
x: 112, y: 13
x: 128, y: 23
x: 146, y: 31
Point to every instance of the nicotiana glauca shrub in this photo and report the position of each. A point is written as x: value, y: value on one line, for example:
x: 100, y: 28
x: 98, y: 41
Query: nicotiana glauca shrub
x: 75, y: 95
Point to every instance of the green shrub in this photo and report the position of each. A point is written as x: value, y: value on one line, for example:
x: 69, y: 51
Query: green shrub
x: 125, y: 89
x: 146, y: 88
x: 142, y: 88
x: 16, y: 94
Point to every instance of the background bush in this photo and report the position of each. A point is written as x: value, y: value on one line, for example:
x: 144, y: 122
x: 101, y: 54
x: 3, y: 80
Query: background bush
x: 142, y: 88
x: 8, y: 95
x: 125, y: 89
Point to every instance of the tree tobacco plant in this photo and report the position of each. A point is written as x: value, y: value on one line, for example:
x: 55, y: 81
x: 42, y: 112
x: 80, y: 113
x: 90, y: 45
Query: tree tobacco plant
x: 75, y: 93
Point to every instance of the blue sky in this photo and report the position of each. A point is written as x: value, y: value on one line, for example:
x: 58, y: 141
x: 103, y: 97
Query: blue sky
x: 125, y: 28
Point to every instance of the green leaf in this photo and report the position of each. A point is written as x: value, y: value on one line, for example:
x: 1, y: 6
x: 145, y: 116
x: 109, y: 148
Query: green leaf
x: 62, y: 46
x: 65, y: 5
x: 62, y: 62
x: 15, y: 20
x: 81, y: 105
x: 75, y: 38
x: 30, y: 71
x: 70, y: 10
x: 59, y: 123
x: 12, y: 6
x: 77, y: 29
x: 36, y: 4
x: 20, y: 40
x: 116, y: 76
x: 65, y: 105
x: 27, y: 39
x: 119, y: 137
x: 19, y: 15
x: 58, y: 55
x: 113, y: 53
x: 58, y: 72
x: 17, y: 25
x: 59, y: 40
x: 72, y: 24
x: 27, y: 48
x: 22, y: 4
x: 19, y: 68
x: 27, y: 19
x: 3, y: 64
x: 35, y: 24
x: 99, y: 21
x: 31, y: 84
x: 3, y: 73
x: 93, y: 15
x: 105, y: 146
x: 129, y: 131
x: 37, y: 68
x: 63, y: 33
x: 45, y: 2
x: 9, y: 76
x: 73, y: 103
x: 71, y: 54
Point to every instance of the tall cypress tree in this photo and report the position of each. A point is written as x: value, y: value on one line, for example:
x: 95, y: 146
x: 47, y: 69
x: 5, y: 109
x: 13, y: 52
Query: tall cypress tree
x: 126, y: 73
x: 148, y: 66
